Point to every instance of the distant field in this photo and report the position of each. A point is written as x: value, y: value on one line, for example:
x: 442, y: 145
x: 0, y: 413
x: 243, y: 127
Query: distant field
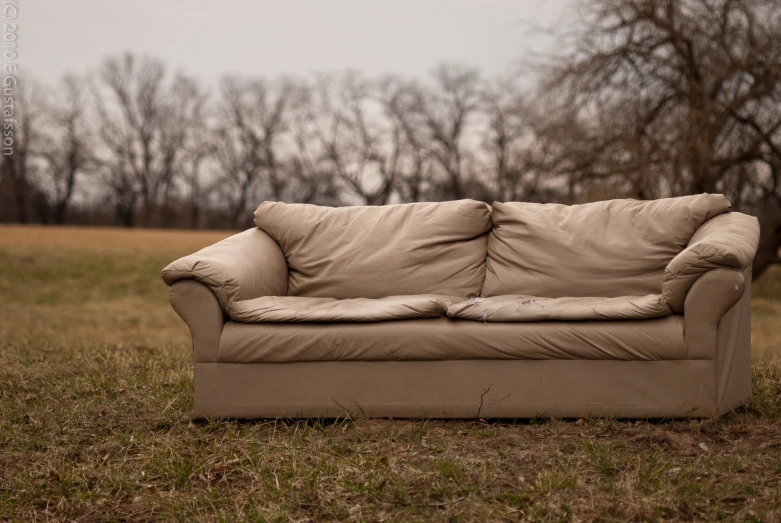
x: 63, y: 286
x: 96, y: 396
x: 766, y: 315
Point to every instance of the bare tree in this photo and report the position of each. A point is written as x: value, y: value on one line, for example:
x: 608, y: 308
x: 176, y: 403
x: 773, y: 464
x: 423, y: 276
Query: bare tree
x: 66, y: 148
x: 311, y: 179
x: 515, y: 162
x: 358, y: 147
x: 184, y: 142
x: 445, y: 110
x: 198, y: 149
x: 253, y: 117
x: 399, y: 99
x: 143, y: 126
x: 24, y: 129
x: 681, y: 96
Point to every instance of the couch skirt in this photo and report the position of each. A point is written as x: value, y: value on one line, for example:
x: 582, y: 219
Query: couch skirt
x: 461, y: 389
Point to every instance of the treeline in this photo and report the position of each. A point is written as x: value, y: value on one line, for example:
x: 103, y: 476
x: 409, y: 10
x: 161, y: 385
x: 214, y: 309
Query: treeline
x: 647, y: 99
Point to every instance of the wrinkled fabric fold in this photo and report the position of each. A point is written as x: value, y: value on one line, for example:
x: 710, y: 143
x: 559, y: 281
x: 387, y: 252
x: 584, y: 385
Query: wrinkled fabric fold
x: 240, y: 267
x: 728, y: 241
x: 533, y: 308
x: 380, y: 251
x: 447, y: 339
x: 610, y: 248
x: 304, y: 309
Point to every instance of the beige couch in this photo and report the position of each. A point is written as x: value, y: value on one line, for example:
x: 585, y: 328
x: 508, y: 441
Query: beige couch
x: 461, y: 310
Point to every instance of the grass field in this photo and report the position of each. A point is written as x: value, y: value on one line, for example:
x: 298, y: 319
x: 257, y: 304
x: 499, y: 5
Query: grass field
x: 96, y: 396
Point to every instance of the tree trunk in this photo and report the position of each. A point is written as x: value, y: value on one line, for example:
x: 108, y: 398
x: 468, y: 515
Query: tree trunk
x: 195, y: 214
x: 59, y: 212
x: 21, y: 195
x: 126, y: 213
x: 769, y: 245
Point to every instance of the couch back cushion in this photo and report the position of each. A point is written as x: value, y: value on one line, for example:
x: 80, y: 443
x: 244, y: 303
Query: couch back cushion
x: 610, y: 248
x: 374, y: 252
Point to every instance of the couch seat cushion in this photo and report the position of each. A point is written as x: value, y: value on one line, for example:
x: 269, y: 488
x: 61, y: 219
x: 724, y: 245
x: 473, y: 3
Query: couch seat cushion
x: 611, y: 248
x: 305, y: 309
x: 380, y: 251
x: 446, y: 339
x: 533, y: 308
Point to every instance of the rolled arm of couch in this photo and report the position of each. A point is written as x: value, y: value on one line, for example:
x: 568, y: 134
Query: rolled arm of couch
x: 727, y: 241
x: 197, y: 305
x: 708, y: 301
x: 244, y: 266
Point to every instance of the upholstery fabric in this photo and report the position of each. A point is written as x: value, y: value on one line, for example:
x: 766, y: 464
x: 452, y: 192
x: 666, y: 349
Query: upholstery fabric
x: 498, y: 309
x: 533, y: 308
x: 197, y: 305
x: 445, y: 339
x: 457, y: 389
x: 376, y: 252
x: 605, y: 260
x: 726, y: 241
x: 610, y: 248
x: 710, y: 299
x: 303, y: 309
x: 241, y: 267
x: 733, y: 352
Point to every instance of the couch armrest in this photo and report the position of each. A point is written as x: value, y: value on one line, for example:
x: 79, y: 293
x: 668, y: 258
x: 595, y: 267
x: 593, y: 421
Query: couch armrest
x: 726, y: 241
x: 244, y: 266
x: 708, y: 301
x: 717, y: 327
x: 197, y: 305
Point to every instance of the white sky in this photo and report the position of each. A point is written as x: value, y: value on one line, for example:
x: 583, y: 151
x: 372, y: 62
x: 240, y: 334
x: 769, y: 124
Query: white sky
x: 271, y: 37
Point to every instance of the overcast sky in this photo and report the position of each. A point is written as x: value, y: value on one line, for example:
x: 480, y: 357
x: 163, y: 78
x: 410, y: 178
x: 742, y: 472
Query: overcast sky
x: 271, y: 37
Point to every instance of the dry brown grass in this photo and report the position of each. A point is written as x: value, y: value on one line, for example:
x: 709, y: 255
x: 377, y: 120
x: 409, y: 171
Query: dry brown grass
x: 96, y: 396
